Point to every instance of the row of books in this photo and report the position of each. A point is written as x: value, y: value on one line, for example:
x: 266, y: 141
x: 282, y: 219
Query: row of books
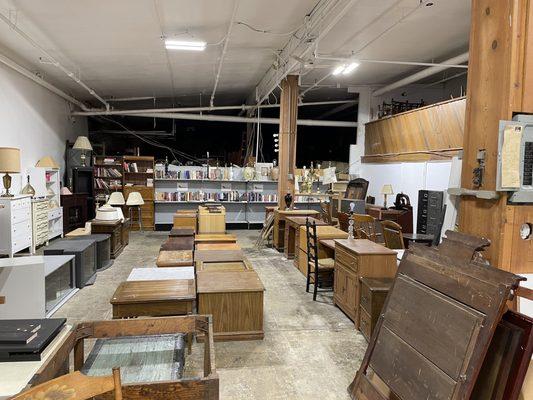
x: 253, y: 196
x: 107, y: 172
x: 233, y: 195
x: 107, y: 184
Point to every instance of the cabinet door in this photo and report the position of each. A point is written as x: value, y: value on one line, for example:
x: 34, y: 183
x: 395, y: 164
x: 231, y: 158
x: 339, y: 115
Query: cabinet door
x: 339, y: 285
x: 352, y: 297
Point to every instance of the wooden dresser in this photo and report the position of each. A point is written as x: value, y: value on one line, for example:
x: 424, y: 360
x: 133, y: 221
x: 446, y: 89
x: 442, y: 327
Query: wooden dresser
x: 373, y: 294
x: 356, y: 258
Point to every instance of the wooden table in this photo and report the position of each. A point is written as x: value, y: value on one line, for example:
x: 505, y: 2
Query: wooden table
x: 235, y: 300
x: 118, y: 230
x: 417, y: 238
x: 154, y: 298
x: 218, y: 255
x: 218, y: 246
x: 215, y: 238
x: 322, y: 232
x: 279, y: 224
x: 292, y: 234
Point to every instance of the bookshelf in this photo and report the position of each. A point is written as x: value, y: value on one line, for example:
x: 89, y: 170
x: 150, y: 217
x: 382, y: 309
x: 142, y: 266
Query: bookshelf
x: 139, y: 177
x: 108, y: 176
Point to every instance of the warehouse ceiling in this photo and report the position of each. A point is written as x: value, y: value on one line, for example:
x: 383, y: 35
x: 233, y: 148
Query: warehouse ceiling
x: 116, y: 47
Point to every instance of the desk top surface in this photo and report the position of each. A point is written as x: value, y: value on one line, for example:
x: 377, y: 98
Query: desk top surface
x: 214, y: 237
x: 154, y: 291
x: 218, y: 255
x: 218, y: 246
x: 364, y: 246
x: 296, y: 212
x: 329, y: 243
x: 156, y: 274
x: 297, y: 221
x: 228, y: 281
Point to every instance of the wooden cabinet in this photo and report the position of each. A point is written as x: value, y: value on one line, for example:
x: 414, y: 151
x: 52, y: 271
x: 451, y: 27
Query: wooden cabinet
x: 74, y: 211
x: 373, y: 294
x: 211, y: 219
x: 356, y: 258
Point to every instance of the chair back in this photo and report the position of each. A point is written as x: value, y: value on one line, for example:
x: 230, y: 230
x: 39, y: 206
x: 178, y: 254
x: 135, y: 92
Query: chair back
x: 312, y: 242
x: 344, y: 220
x: 392, y: 234
x: 75, y: 386
x: 356, y: 189
x: 364, y: 226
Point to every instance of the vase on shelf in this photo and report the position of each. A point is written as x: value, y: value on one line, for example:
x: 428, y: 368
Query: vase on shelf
x: 288, y: 201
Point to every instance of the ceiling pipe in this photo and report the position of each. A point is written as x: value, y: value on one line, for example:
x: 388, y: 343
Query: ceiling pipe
x: 56, y: 63
x: 421, y: 75
x: 200, y: 109
x: 30, y: 75
x: 224, y: 49
x: 228, y: 118
x: 413, y: 63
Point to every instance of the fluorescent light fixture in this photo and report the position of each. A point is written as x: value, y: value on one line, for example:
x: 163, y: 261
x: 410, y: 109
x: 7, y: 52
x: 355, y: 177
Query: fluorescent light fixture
x: 185, y: 45
x: 339, y: 69
x: 350, y: 68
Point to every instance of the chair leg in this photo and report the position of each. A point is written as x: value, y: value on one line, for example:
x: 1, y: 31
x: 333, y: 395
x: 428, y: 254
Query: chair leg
x: 308, y: 279
x: 316, y: 283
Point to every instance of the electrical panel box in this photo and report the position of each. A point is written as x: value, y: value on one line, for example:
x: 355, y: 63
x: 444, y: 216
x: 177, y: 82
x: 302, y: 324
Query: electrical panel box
x: 515, y: 158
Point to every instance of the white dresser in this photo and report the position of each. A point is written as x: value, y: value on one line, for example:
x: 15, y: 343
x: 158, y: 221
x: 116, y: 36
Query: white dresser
x: 15, y: 224
x: 39, y: 212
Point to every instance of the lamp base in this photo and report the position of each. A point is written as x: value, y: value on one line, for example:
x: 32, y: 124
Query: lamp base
x: 7, y: 184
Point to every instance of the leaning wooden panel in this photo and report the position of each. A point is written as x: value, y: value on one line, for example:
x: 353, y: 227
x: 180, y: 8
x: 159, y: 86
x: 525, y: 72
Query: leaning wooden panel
x: 456, y: 298
x: 203, y: 387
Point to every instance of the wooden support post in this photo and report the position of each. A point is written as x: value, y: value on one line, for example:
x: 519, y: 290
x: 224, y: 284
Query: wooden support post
x: 288, y: 114
x: 500, y: 84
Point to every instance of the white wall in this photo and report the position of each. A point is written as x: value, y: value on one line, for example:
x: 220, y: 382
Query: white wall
x: 34, y: 120
x: 409, y: 178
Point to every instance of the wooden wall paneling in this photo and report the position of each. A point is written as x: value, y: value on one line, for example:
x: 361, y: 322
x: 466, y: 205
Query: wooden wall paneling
x: 499, y: 85
x: 287, y: 136
x: 432, y: 132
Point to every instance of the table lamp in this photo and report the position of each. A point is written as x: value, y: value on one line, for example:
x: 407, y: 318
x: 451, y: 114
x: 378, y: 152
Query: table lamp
x: 82, y: 143
x: 9, y: 163
x: 386, y: 190
x: 116, y: 199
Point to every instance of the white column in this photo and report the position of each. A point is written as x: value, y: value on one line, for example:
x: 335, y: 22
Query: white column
x: 363, y: 116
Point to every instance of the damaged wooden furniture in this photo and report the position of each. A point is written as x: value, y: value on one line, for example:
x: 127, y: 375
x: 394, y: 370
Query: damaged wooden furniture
x: 198, y: 387
x: 437, y: 324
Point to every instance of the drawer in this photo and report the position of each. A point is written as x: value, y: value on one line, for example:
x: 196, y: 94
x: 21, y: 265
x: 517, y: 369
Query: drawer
x: 21, y: 204
x: 41, y: 205
x: 21, y: 214
x: 55, y: 213
x: 348, y: 260
x: 365, y: 324
x: 21, y: 243
x: 366, y: 298
x: 21, y: 228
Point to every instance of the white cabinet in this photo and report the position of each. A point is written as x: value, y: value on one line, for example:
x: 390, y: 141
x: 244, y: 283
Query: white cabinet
x: 47, y: 184
x: 15, y: 224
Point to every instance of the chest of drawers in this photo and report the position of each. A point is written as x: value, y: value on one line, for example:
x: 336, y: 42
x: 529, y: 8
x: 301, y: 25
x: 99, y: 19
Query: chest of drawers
x: 15, y: 224
x: 356, y: 258
x: 39, y: 218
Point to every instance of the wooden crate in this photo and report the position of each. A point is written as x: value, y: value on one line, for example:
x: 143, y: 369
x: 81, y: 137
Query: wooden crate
x: 211, y: 222
x: 235, y: 300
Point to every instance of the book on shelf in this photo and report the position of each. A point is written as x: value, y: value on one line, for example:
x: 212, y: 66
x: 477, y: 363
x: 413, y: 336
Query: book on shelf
x: 233, y: 195
x: 107, y: 172
x: 107, y: 184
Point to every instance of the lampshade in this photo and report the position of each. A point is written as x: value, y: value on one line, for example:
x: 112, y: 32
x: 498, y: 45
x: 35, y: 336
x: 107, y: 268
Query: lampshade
x: 47, y: 162
x: 135, y: 199
x: 116, y: 199
x: 9, y: 160
x: 82, y: 143
x: 387, y: 189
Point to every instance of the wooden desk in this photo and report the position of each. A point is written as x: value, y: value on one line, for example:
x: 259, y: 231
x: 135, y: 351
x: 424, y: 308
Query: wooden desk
x: 279, y: 224
x: 404, y: 218
x: 218, y: 255
x: 154, y: 298
x: 292, y: 234
x: 328, y: 243
x: 322, y: 232
x: 118, y: 230
x: 356, y: 258
x: 235, y: 300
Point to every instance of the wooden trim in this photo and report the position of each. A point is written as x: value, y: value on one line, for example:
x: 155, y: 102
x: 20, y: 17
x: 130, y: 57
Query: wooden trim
x: 412, y: 156
x: 2, y: 299
x: 416, y: 110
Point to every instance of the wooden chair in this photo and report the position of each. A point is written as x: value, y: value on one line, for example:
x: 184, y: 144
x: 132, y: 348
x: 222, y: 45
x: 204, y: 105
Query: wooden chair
x: 74, y: 386
x: 317, y: 269
x: 344, y: 221
x: 325, y: 212
x: 392, y: 234
x: 364, y: 224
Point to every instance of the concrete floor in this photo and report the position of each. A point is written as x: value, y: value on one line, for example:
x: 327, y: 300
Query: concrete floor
x: 310, y: 351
